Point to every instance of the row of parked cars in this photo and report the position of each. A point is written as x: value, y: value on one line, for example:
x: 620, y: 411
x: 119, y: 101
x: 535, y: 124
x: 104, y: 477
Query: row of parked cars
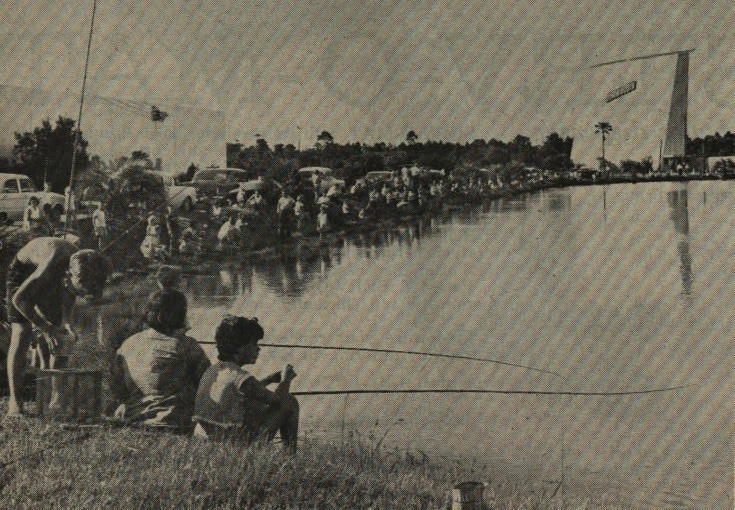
x: 16, y: 189
x: 224, y: 182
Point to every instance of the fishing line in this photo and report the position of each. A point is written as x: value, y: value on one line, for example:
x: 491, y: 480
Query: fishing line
x: 135, y: 224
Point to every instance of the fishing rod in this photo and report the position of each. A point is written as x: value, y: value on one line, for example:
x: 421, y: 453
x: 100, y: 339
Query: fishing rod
x: 136, y: 223
x: 501, y: 392
x: 396, y: 351
x: 78, y: 132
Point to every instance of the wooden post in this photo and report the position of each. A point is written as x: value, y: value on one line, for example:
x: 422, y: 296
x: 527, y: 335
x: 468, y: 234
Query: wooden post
x: 41, y: 393
x: 97, y: 394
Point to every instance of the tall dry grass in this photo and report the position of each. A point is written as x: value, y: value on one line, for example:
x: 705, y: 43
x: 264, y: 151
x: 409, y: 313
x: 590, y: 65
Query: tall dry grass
x: 46, y: 467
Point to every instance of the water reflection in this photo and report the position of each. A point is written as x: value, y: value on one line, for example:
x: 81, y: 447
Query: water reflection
x: 523, y: 287
x: 678, y: 202
x: 558, y: 201
x: 292, y: 271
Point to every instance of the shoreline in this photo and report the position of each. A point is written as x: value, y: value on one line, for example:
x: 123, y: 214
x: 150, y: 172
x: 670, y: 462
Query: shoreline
x: 312, y: 241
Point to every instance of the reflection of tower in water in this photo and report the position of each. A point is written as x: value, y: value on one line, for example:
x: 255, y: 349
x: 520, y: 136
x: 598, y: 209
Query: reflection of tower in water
x: 677, y: 200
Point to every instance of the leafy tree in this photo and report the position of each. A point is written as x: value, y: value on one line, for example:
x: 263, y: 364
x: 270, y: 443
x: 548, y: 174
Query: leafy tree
x: 325, y: 137
x: 135, y: 184
x: 522, y: 150
x: 262, y: 146
x: 630, y: 166
x: 411, y: 137
x: 139, y: 155
x: 5, y: 165
x: 604, y: 129
x: 555, y: 153
x: 46, y: 152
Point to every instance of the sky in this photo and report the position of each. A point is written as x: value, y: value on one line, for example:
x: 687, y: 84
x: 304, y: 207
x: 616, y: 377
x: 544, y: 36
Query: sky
x: 363, y: 70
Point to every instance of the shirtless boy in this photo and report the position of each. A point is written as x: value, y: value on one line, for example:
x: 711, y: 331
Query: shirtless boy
x: 43, y: 281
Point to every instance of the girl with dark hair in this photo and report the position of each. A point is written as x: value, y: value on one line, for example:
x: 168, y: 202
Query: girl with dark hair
x: 156, y: 372
x: 33, y: 215
x: 232, y: 404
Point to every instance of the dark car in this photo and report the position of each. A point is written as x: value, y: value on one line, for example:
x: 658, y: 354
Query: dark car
x: 218, y: 181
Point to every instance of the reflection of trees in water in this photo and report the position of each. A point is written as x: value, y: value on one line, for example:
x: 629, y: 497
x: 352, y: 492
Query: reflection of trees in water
x: 678, y: 202
x: 292, y: 272
x: 230, y: 280
x: 517, y: 203
x: 557, y: 201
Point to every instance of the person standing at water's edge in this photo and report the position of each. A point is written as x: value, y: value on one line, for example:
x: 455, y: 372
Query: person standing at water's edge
x: 232, y: 404
x: 99, y: 224
x: 42, y: 283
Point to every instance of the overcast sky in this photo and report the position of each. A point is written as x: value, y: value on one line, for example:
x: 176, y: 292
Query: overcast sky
x: 365, y: 70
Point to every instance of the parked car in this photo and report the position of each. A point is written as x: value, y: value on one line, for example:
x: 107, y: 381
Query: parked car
x: 269, y: 188
x: 179, y: 196
x: 378, y: 176
x: 16, y: 190
x: 327, y: 180
x: 218, y: 181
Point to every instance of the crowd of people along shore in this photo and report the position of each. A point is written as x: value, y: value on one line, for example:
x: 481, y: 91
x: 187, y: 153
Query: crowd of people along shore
x: 252, y: 218
x: 159, y: 377
x: 255, y: 217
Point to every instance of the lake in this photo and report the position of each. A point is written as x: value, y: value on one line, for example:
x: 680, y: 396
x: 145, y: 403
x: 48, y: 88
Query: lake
x: 617, y: 288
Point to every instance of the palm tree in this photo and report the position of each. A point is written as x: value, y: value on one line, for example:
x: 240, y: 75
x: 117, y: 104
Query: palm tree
x: 603, y: 128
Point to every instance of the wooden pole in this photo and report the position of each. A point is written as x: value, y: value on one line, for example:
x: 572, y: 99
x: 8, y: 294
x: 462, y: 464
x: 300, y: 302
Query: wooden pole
x: 500, y: 392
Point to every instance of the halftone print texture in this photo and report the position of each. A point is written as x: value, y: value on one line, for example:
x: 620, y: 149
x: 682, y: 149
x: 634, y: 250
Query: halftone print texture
x: 617, y: 288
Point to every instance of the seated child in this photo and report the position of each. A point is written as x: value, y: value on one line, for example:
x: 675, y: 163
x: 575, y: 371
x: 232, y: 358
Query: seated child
x: 232, y: 404
x: 151, y: 246
x: 155, y: 373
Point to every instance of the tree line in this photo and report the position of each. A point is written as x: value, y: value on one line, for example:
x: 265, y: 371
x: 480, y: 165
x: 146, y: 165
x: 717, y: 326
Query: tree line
x: 45, y: 153
x: 354, y: 159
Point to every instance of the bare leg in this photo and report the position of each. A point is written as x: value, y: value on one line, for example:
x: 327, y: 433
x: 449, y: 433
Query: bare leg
x: 284, y: 418
x: 290, y: 426
x: 54, y: 404
x: 20, y: 339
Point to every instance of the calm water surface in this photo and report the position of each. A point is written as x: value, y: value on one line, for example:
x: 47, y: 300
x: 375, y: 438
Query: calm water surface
x: 617, y: 288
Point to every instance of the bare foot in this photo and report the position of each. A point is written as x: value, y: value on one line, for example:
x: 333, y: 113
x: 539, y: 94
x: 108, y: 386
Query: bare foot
x: 15, y: 410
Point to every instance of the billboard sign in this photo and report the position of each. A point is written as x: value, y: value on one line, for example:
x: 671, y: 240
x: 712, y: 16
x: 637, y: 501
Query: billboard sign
x: 621, y: 91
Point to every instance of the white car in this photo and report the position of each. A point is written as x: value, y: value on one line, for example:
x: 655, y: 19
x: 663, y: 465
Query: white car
x: 178, y: 196
x: 16, y: 190
x: 327, y: 180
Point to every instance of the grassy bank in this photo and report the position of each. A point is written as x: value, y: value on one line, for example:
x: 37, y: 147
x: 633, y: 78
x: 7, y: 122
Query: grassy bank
x: 135, y: 469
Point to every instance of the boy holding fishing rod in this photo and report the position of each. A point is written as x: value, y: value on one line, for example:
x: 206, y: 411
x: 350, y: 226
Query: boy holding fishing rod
x: 232, y: 404
x: 43, y: 280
